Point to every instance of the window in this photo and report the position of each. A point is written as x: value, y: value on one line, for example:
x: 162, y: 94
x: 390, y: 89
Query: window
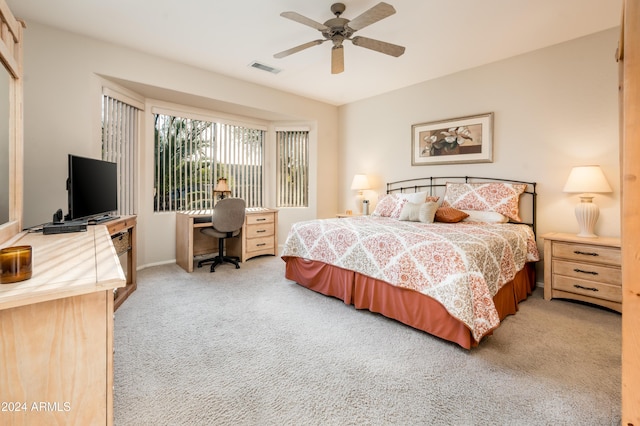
x: 293, y: 168
x: 120, y: 122
x: 190, y: 156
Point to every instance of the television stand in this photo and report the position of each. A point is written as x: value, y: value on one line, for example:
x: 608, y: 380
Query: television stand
x: 123, y: 235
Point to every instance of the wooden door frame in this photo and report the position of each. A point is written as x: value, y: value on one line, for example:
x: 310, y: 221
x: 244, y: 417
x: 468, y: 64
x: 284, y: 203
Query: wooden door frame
x: 629, y: 60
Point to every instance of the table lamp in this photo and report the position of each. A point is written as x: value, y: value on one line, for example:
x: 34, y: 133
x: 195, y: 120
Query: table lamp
x: 222, y: 188
x: 360, y: 183
x: 587, y: 180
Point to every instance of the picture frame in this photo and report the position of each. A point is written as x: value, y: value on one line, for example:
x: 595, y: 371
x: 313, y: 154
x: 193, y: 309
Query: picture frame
x: 453, y: 141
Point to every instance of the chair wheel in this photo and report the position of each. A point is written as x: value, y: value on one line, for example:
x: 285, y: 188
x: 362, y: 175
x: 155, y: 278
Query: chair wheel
x: 237, y: 266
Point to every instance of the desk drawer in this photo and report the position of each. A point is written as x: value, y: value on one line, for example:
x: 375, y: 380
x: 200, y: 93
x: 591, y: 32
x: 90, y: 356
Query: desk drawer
x: 253, y: 219
x: 260, y: 244
x: 260, y: 230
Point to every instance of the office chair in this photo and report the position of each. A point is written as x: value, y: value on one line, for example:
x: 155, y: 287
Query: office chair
x: 227, y: 218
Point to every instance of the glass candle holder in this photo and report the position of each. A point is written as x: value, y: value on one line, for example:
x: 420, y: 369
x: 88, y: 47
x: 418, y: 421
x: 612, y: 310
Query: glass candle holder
x: 15, y: 264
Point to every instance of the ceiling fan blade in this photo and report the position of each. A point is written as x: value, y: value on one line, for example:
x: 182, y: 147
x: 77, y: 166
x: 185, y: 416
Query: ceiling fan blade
x: 298, y: 48
x: 378, y: 46
x: 373, y: 15
x: 294, y: 16
x: 337, y: 59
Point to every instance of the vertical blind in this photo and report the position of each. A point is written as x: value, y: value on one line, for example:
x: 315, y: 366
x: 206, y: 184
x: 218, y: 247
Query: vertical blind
x: 191, y: 155
x: 241, y: 155
x: 293, y: 168
x: 119, y: 139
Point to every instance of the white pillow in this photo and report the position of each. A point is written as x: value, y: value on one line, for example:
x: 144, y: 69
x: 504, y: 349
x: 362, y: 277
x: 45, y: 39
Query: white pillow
x: 484, y: 217
x: 410, y: 212
x: 417, y: 197
x: 415, y: 212
x: 428, y: 211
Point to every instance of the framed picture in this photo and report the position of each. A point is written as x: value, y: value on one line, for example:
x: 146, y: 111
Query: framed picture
x: 458, y: 140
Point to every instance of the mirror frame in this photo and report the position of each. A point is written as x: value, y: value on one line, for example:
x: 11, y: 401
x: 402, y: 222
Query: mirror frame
x: 11, y: 43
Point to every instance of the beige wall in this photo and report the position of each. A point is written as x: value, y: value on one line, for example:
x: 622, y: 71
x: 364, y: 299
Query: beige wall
x: 62, y: 110
x: 554, y: 108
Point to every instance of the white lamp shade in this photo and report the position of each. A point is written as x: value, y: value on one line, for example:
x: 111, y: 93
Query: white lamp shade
x: 587, y: 179
x: 360, y: 182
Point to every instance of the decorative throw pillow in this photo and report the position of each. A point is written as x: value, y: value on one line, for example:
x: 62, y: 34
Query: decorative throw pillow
x: 424, y: 212
x: 497, y: 197
x: 410, y: 212
x: 428, y: 211
x: 391, y: 205
x: 484, y: 217
x: 449, y: 215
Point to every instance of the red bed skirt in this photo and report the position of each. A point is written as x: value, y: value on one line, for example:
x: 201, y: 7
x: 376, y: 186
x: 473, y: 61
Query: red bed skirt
x: 409, y: 307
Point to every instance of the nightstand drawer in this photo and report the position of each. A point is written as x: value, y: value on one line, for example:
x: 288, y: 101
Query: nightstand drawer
x: 587, y: 253
x: 588, y: 288
x: 260, y: 230
x: 588, y: 271
x: 260, y: 244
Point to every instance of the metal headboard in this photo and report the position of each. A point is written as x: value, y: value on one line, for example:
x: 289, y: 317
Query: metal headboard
x: 435, y: 185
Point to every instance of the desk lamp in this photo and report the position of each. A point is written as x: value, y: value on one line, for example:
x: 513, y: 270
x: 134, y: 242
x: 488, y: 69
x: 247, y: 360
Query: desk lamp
x: 222, y: 188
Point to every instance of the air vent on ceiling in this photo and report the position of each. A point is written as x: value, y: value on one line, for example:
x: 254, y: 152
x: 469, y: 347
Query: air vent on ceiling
x: 264, y: 67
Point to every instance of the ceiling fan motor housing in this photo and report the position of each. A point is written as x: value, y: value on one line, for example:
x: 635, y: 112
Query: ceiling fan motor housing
x: 337, y: 30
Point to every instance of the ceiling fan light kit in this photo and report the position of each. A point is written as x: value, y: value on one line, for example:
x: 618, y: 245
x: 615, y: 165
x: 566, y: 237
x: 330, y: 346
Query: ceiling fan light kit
x: 338, y: 29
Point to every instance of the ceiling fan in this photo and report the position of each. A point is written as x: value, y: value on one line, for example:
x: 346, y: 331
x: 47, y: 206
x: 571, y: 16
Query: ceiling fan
x: 338, y: 29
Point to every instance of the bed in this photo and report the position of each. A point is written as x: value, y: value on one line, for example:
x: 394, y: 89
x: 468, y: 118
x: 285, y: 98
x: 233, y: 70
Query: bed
x: 451, y: 256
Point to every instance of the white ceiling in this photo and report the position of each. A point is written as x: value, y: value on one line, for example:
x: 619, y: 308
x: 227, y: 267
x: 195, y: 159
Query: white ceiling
x: 440, y: 36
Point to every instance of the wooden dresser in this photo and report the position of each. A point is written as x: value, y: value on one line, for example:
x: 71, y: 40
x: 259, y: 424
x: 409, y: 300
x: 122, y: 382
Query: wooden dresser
x: 56, y: 339
x: 585, y: 269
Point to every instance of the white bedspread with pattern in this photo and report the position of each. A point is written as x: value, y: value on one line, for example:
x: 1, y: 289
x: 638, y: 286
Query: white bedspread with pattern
x: 460, y: 265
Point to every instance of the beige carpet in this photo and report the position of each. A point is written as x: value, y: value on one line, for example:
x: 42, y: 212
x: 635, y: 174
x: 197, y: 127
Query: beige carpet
x: 248, y: 347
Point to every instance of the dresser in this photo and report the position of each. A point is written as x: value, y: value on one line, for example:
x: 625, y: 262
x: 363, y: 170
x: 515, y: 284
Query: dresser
x: 56, y: 344
x: 584, y: 269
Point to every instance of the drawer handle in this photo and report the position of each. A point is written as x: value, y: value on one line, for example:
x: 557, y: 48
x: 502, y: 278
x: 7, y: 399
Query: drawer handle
x: 261, y: 219
x: 585, y: 288
x: 261, y: 244
x: 261, y: 231
x: 585, y: 272
x: 586, y: 253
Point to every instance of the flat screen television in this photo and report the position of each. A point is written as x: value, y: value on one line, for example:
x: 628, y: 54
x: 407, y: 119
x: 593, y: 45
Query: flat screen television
x: 92, y: 188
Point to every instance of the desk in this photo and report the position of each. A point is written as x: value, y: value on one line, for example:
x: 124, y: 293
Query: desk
x: 259, y: 236
x: 56, y: 345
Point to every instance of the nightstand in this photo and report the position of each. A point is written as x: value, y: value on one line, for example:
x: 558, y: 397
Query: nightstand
x: 584, y: 269
x: 341, y: 215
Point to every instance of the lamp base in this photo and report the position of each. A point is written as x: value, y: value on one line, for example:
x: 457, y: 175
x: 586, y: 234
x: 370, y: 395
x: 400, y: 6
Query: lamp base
x: 358, y: 207
x: 587, y: 214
